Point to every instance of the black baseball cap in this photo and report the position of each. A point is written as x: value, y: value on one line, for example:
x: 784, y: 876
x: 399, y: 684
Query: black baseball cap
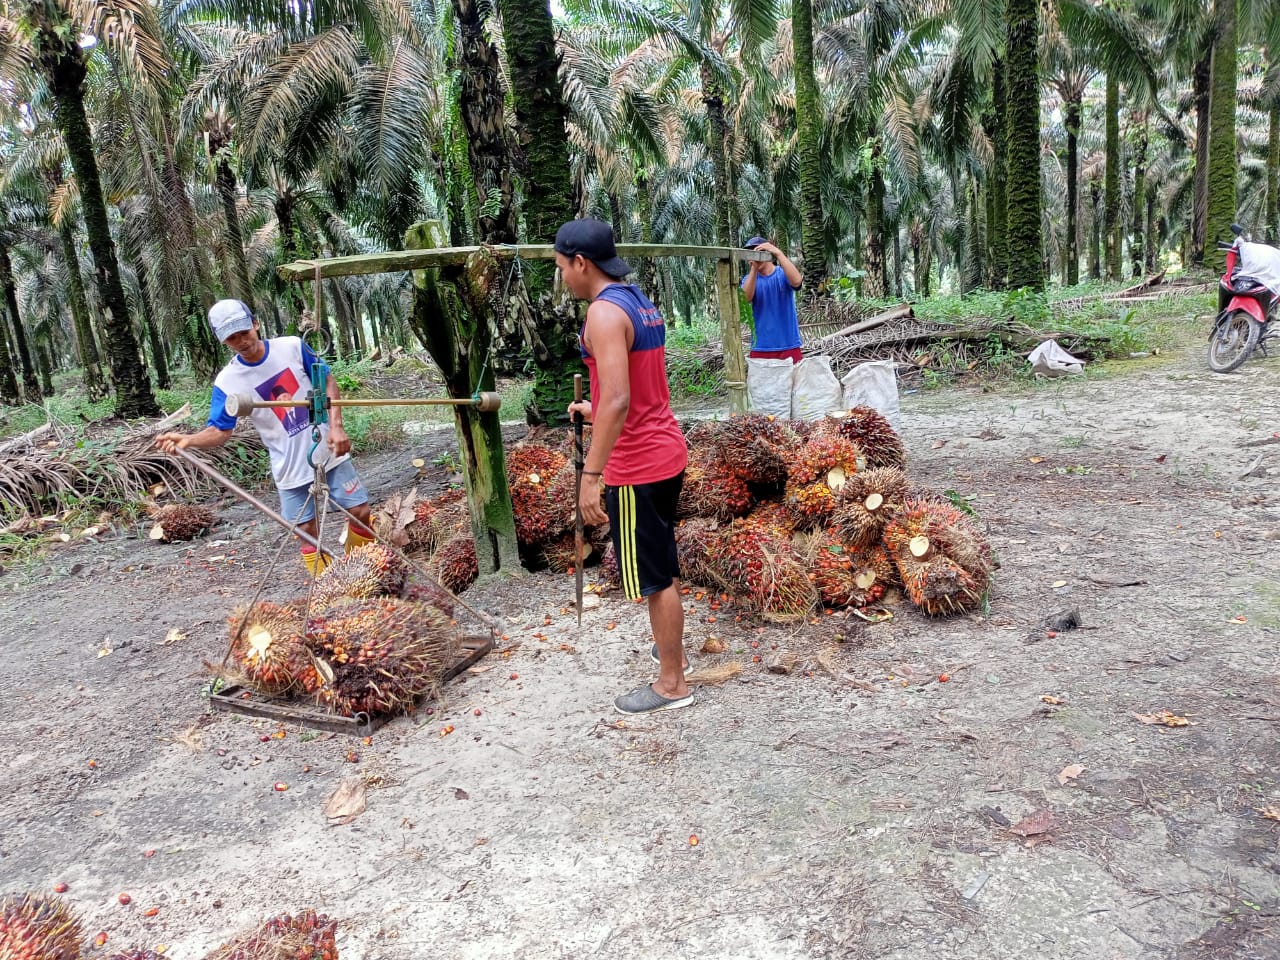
x: 594, y: 240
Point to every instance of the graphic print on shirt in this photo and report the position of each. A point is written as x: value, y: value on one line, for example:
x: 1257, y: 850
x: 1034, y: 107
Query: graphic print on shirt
x: 284, y: 386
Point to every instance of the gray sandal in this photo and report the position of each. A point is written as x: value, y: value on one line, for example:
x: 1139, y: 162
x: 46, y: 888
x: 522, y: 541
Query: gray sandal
x: 645, y: 699
x: 653, y: 655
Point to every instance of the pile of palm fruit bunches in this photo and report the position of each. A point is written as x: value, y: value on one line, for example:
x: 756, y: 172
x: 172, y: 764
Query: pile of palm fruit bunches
x: 784, y: 516
x: 36, y: 927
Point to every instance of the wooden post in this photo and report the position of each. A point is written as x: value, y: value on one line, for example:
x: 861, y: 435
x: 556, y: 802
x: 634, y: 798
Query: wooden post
x: 735, y: 363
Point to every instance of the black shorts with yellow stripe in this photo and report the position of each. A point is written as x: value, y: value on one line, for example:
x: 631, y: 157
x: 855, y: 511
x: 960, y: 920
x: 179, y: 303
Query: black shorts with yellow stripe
x: 643, y: 522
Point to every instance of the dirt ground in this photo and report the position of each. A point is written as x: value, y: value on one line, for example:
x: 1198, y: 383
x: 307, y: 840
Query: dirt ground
x: 859, y: 811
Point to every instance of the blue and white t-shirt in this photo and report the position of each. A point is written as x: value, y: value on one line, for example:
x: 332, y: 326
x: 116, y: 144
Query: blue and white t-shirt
x: 283, y: 373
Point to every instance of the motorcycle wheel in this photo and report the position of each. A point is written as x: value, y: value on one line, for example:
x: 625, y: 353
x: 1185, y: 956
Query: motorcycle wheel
x: 1234, y: 337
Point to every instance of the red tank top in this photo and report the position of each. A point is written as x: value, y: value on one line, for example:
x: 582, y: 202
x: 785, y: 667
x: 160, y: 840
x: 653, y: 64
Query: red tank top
x: 651, y: 446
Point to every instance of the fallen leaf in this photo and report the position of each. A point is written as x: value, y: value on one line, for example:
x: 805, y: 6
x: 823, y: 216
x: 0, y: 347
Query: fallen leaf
x: 874, y: 616
x: 1036, y: 459
x: 1163, y: 718
x: 1034, y: 824
x: 713, y: 645
x: 938, y: 444
x: 460, y: 794
x: 1069, y: 773
x: 1055, y: 701
x: 1059, y: 583
x: 1270, y: 813
x: 104, y: 651
x: 345, y: 803
x: 1237, y: 620
x: 173, y: 636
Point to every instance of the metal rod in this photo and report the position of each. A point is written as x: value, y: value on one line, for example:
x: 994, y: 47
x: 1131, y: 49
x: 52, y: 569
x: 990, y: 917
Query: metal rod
x: 240, y: 404
x: 249, y: 498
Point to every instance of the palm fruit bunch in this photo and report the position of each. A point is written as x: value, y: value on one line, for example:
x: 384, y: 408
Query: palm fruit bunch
x: 712, y: 488
x: 531, y: 468
x: 37, y: 928
x: 306, y: 936
x: 758, y: 447
x: 561, y: 554
x: 874, y: 435
x: 370, y: 570
x: 944, y: 562
x: 695, y: 542
x: 765, y: 571
x: 610, y: 575
x: 868, y: 501
x: 817, y: 474
x: 431, y: 518
x: 455, y: 565
x: 832, y: 572
x: 271, y: 649
x: 180, y: 521
x: 773, y: 517
x: 379, y: 655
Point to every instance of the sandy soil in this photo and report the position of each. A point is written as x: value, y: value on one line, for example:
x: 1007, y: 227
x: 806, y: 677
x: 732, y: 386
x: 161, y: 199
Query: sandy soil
x: 859, y: 811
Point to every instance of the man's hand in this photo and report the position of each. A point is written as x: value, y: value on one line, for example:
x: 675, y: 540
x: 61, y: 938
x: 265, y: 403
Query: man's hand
x: 767, y: 247
x: 591, y: 502
x: 338, y: 442
x: 583, y: 407
x: 170, y: 443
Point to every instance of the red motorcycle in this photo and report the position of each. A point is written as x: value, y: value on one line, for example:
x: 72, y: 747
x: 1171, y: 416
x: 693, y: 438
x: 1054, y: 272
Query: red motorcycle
x: 1246, y: 302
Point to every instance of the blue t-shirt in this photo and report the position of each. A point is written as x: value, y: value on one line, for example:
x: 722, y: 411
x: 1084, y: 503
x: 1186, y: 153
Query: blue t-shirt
x: 774, y: 309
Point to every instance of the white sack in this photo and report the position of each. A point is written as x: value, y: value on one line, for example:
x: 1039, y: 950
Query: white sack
x: 1050, y: 360
x: 769, y: 386
x: 874, y: 384
x: 815, y: 391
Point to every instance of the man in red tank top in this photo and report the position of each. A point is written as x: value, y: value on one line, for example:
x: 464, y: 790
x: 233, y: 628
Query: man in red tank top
x: 637, y: 448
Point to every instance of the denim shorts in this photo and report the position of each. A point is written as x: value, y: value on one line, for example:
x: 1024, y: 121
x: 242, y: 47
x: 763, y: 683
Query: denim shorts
x: 345, y: 489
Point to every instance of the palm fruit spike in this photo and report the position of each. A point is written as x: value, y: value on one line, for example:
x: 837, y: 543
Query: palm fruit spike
x: 455, y: 565
x: 868, y: 501
x: 37, y: 928
x: 380, y: 655
x: 694, y: 545
x: 944, y: 562
x: 712, y: 489
x: 816, y: 476
x: 773, y: 517
x: 271, y: 648
x: 430, y: 517
x: 373, y: 570
x: 874, y: 435
x: 765, y: 572
x: 610, y: 576
x: 834, y: 575
x: 531, y: 468
x: 180, y: 521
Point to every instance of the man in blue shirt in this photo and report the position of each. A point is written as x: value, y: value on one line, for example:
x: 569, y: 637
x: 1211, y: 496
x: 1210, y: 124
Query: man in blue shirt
x: 771, y: 288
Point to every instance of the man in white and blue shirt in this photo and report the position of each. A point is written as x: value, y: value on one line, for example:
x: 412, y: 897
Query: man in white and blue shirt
x: 280, y: 369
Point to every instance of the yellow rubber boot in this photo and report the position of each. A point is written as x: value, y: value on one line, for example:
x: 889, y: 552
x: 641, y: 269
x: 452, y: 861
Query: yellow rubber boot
x: 356, y: 536
x: 315, y: 561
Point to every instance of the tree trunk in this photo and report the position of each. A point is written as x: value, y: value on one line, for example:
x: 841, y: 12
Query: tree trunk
x: 237, y: 263
x: 1025, y: 245
x: 64, y: 70
x: 997, y: 189
x: 1200, y: 205
x: 86, y: 342
x: 1074, y: 109
x: 450, y: 318
x: 45, y: 363
x: 648, y: 279
x: 1095, y: 229
x: 158, y: 358
x: 920, y: 257
x: 1272, y: 227
x: 973, y: 266
x: 8, y: 382
x: 1111, y: 184
x: 897, y: 261
x: 1220, y: 209
x: 713, y: 101
x: 30, y: 381
x: 1137, y: 246
x: 873, y: 283
x: 809, y: 145
x: 482, y: 103
x: 1153, y: 235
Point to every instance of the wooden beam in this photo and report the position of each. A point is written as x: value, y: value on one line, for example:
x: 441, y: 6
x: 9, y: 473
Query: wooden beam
x: 398, y: 260
x: 735, y: 364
